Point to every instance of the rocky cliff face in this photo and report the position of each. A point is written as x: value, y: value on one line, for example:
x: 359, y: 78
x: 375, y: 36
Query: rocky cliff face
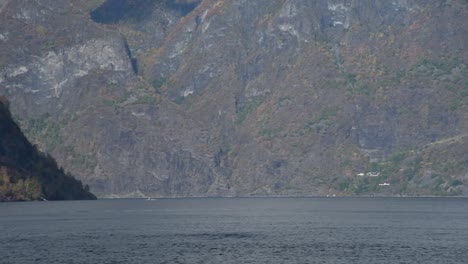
x: 241, y: 97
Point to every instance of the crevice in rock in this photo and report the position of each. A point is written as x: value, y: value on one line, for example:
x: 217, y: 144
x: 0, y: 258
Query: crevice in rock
x: 133, y: 60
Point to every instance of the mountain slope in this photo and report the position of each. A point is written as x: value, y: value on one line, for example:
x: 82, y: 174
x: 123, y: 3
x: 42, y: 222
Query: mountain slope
x: 26, y: 174
x: 288, y: 97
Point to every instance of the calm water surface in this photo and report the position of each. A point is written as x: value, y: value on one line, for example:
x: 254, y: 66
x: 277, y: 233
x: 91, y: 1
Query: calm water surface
x: 241, y: 230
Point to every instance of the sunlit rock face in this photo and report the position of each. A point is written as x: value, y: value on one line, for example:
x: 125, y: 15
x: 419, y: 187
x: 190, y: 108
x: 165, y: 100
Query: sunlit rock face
x: 181, y: 98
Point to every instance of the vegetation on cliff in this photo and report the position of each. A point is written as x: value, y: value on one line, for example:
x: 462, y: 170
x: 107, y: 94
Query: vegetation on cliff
x: 236, y: 98
x: 28, y: 174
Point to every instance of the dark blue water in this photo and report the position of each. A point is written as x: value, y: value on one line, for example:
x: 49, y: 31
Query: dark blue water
x: 251, y: 230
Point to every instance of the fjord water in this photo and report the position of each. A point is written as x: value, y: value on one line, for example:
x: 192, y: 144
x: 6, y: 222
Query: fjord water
x: 240, y: 230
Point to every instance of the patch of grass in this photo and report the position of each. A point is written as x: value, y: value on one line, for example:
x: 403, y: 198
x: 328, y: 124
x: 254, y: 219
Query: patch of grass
x: 158, y: 83
x: 112, y: 88
x: 351, y: 78
x: 247, y: 109
x: 82, y: 160
x: 325, y: 114
x: 74, y: 117
x: 413, y: 168
x: 284, y: 101
x: 455, y: 104
x: 362, y: 89
x: 397, y: 158
x: 346, y: 163
x: 226, y: 146
x: 399, y: 76
x: 50, y: 44
x: 268, y: 134
x: 108, y: 102
x: 85, y: 161
x: 335, y: 84
x: 45, y: 131
x: 343, y: 184
x: 464, y: 91
x: 429, y: 67
x: 179, y: 100
x: 374, y: 166
x: 320, y: 121
x: 361, y: 186
x: 456, y: 183
x: 145, y: 100
x: 41, y: 31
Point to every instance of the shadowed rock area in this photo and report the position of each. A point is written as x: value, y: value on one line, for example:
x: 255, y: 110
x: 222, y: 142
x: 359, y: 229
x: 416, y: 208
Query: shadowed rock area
x: 114, y: 11
x: 27, y: 174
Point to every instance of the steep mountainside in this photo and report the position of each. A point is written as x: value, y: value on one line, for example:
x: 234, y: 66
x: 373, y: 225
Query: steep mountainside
x: 214, y: 97
x: 25, y: 173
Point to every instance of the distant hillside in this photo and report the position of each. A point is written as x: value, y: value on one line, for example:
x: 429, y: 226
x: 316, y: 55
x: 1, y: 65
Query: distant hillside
x: 243, y: 97
x: 27, y: 174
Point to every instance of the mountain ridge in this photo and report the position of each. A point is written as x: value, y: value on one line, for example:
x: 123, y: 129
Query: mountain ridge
x: 243, y: 98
